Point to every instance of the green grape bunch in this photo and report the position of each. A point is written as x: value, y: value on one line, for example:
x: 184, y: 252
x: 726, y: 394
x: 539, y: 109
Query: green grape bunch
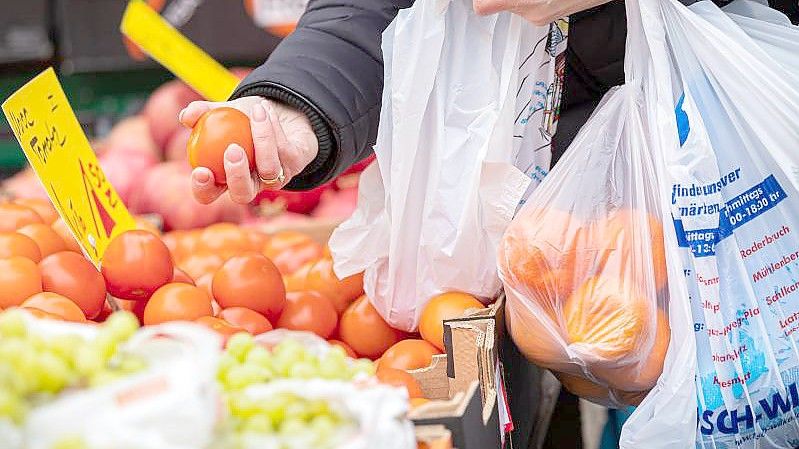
x: 36, y: 368
x: 247, y: 363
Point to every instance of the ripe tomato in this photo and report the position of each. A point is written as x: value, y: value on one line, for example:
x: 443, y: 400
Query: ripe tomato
x: 365, y: 331
x: 409, y: 355
x: 60, y: 227
x: 179, y: 275
x: 295, y: 282
x: 345, y: 347
x: 199, y: 264
x: 42, y: 207
x: 20, y: 279
x: 136, y: 264
x: 177, y: 302
x: 250, y: 281
x: 401, y: 379
x: 55, y: 304
x: 446, y: 306
x: 282, y: 241
x: 257, y: 239
x: 221, y: 327
x: 14, y: 216
x: 181, y: 244
x: 16, y: 244
x: 225, y: 239
x: 244, y: 318
x: 211, y: 136
x: 70, y: 274
x: 294, y: 257
x: 41, y: 314
x: 308, y: 311
x: 342, y: 292
x: 48, y: 241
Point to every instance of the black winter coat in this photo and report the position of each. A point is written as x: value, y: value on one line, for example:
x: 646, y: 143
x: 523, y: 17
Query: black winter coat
x: 331, y: 68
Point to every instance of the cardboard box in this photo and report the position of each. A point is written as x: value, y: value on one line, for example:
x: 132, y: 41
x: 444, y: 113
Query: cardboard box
x: 464, y: 383
x: 433, y: 437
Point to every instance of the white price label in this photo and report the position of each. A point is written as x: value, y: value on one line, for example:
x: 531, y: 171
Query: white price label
x: 278, y: 12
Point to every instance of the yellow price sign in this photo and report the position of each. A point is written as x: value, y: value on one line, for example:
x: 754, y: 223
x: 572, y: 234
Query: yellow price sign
x: 145, y: 27
x: 63, y: 159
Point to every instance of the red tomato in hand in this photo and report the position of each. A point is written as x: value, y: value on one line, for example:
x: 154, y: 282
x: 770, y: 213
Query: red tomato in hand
x: 211, y: 136
x: 409, y: 355
x: 70, y: 274
x: 55, y: 304
x: 246, y: 319
x: 308, y: 311
x: 20, y: 279
x: 365, y: 331
x: 342, y: 292
x: 136, y: 264
x: 250, y: 281
x: 177, y: 302
x: 16, y: 244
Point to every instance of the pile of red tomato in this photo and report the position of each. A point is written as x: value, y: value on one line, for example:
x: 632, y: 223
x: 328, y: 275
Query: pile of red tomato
x: 226, y: 277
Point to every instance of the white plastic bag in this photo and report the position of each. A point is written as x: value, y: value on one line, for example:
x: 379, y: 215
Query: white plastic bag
x: 171, y: 405
x: 459, y: 115
x: 734, y: 205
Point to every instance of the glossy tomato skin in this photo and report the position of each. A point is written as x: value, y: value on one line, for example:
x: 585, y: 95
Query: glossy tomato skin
x: 14, y: 216
x: 250, y: 281
x: 446, y: 306
x: 246, y: 319
x: 70, y: 274
x: 400, y: 378
x: 211, y: 136
x: 308, y: 311
x: 136, y: 264
x: 48, y: 241
x: 16, y: 244
x: 366, y: 332
x: 409, y: 355
x: 20, y: 279
x: 55, y: 304
x: 224, y: 239
x: 177, y: 302
x: 342, y: 292
x: 293, y: 258
x: 61, y: 228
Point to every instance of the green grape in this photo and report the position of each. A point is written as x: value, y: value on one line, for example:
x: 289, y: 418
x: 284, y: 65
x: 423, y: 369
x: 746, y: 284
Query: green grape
x: 334, y: 366
x: 12, y: 324
x: 12, y: 406
x: 258, y: 423
x: 105, y: 345
x: 302, y: 370
x: 293, y: 427
x: 363, y: 366
x: 66, y: 346
x: 54, y: 374
x: 323, y: 427
x: 242, y: 376
x: 259, y: 356
x: 70, y: 442
x: 129, y: 364
x: 87, y: 361
x: 239, y: 345
x: 121, y: 326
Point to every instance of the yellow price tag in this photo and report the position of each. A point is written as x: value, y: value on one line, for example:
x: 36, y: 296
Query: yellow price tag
x: 63, y: 159
x: 145, y: 27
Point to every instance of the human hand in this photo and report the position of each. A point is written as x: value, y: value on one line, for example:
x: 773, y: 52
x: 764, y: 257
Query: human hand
x: 284, y: 143
x: 539, y: 12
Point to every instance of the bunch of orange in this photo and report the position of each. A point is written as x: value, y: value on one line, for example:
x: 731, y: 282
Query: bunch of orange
x: 586, y: 299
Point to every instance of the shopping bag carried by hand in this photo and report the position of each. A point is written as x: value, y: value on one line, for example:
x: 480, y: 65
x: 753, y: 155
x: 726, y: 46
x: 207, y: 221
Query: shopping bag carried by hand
x: 469, y: 106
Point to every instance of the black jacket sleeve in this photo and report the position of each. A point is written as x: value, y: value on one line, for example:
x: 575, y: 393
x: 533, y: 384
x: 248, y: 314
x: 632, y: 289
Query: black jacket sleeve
x: 331, y: 68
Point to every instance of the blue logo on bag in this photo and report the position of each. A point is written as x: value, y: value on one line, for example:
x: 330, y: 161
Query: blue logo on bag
x: 683, y: 125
